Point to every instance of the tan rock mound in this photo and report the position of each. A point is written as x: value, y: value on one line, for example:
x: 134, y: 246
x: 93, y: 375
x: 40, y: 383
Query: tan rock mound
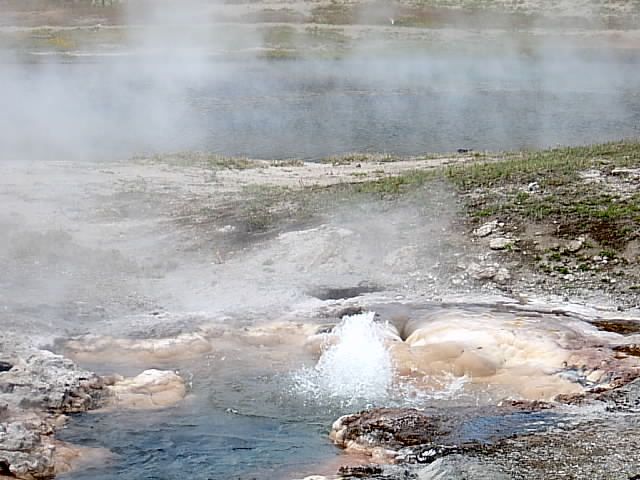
x: 518, y: 355
x: 68, y: 457
x: 93, y: 348
x: 151, y: 389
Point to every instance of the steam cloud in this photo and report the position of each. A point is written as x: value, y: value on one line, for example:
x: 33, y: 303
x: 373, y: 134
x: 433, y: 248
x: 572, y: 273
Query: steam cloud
x: 174, y: 88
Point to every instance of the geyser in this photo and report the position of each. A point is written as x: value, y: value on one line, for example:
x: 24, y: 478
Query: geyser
x: 462, y: 352
x: 356, y: 366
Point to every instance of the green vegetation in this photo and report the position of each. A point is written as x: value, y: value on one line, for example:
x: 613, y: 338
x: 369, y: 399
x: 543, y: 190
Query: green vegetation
x: 294, y: 41
x: 549, y: 167
x: 212, y: 161
x: 551, y: 186
x: 554, y: 169
x: 589, y: 193
x: 580, y: 191
x: 291, y: 162
x: 354, y: 158
x: 279, y: 37
x: 269, y: 208
x: 334, y: 13
x: 394, y: 185
x: 65, y: 40
x: 608, y: 253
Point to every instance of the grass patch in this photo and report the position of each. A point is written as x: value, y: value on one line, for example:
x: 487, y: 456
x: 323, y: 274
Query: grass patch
x: 286, y: 41
x: 549, y: 167
x: 291, y: 162
x: 391, y: 185
x: 608, y: 253
x: 281, y: 36
x: 268, y: 208
x: 534, y: 187
x: 519, y: 188
x: 273, y: 208
x: 547, y: 187
x: 61, y: 42
x: 212, y: 161
x: 334, y: 13
x: 355, y: 158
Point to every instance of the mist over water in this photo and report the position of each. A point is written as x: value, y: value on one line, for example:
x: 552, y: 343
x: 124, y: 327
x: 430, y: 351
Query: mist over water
x: 180, y: 81
x: 429, y: 104
x: 309, y: 109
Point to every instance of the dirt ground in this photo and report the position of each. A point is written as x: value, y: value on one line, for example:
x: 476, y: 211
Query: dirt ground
x: 94, y: 241
x: 91, y: 242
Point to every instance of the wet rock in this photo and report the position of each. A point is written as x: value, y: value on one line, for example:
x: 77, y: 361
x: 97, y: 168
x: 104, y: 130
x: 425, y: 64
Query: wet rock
x: 525, y: 405
x: 68, y: 457
x: 5, y: 366
x: 28, y: 450
x: 428, y: 453
x: 150, y: 390
x: 399, y: 441
x: 330, y: 293
x: 377, y: 472
x: 571, y: 399
x: 25, y: 451
x: 348, y: 311
x: 623, y: 399
x: 49, y: 382
x: 589, y: 448
x: 360, y: 471
x: 458, y: 467
x: 632, y: 349
x: 385, y: 428
x: 39, y: 387
x: 486, y: 229
x: 621, y: 326
x: 514, y: 355
x: 500, y: 243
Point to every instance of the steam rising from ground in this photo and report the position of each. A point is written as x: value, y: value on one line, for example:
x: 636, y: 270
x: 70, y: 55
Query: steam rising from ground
x: 113, y: 106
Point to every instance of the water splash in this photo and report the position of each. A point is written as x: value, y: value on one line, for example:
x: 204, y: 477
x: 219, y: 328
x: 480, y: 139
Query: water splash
x: 356, y: 369
x: 445, y: 389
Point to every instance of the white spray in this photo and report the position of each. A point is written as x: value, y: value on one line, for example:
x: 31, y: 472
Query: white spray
x: 356, y: 369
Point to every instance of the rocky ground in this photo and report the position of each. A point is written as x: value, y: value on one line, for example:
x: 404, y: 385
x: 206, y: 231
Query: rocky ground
x: 40, y: 389
x: 569, y: 224
x: 596, y: 443
x: 105, y: 253
x: 534, y: 233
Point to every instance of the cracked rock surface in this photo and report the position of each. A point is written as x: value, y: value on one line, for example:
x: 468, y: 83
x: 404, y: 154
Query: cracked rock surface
x: 37, y: 389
